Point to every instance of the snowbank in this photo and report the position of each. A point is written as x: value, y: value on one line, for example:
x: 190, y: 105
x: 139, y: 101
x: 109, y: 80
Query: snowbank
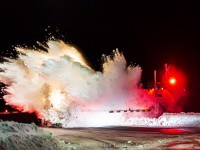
x: 102, y: 119
x: 19, y: 136
x: 167, y: 120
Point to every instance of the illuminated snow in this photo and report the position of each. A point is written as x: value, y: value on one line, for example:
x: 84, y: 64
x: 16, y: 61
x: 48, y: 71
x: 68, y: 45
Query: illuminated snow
x: 58, y: 83
x: 101, y: 119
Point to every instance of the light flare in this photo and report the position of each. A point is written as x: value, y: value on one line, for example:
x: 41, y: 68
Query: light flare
x: 55, y: 98
x: 172, y: 81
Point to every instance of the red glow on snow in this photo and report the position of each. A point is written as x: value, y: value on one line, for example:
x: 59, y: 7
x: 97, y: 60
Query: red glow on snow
x: 173, y: 131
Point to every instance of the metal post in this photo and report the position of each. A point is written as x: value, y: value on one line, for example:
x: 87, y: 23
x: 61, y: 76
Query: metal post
x: 155, y: 80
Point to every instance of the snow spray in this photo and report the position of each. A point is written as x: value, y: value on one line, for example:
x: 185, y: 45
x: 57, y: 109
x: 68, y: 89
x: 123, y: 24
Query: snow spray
x: 61, y: 87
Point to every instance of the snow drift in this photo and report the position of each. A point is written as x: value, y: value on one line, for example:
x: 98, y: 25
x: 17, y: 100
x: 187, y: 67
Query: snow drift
x: 21, y: 136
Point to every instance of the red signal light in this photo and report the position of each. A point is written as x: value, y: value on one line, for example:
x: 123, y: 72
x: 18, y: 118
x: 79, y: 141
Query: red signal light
x: 172, y: 81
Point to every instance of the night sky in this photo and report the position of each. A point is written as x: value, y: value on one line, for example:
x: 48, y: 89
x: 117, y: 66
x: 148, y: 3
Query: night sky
x: 149, y: 34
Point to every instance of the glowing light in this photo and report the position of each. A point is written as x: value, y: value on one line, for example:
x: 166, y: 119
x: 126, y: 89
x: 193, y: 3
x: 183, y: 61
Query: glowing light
x: 172, y: 81
x: 56, y: 97
x: 145, y: 108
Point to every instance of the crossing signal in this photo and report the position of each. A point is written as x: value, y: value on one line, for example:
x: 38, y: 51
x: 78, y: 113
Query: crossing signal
x: 172, y: 81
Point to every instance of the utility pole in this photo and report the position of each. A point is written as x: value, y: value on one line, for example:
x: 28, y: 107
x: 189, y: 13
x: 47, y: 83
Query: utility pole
x: 155, y: 80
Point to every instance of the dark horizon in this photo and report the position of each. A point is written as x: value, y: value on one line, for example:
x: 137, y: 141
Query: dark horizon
x: 149, y: 34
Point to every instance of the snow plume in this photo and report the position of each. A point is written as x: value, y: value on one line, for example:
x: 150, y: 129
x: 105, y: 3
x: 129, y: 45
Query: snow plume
x: 58, y: 83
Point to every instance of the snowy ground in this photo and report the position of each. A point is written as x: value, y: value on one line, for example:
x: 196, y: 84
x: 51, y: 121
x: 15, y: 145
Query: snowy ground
x: 129, y: 138
x: 19, y: 136
x: 102, y: 119
x: 173, y: 131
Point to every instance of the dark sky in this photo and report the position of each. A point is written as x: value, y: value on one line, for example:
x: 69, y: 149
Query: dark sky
x: 148, y: 33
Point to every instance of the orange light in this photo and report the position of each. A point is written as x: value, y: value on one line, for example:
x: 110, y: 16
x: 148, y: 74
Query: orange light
x: 172, y: 81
